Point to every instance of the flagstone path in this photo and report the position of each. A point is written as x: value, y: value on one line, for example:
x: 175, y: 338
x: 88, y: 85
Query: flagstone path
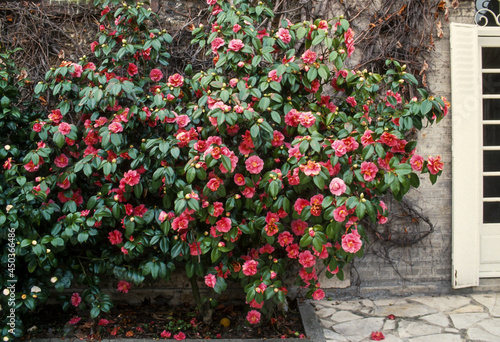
x: 474, y: 317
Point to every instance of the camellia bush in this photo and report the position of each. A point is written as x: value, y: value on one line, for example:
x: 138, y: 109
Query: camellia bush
x: 270, y: 160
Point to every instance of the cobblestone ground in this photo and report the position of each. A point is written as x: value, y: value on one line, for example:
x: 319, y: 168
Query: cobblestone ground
x: 474, y: 317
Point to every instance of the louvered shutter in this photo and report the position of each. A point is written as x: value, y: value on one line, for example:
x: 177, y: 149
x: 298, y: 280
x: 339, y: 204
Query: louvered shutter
x: 466, y: 149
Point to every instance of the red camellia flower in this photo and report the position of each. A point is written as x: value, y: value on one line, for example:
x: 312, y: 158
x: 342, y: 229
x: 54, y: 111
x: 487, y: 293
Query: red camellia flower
x: 309, y: 57
x: 250, y: 267
x: 123, y: 286
x: 103, y: 322
x: 155, y: 75
x: 132, y: 177
x: 176, y: 80
x: 434, y: 164
x: 115, y: 127
x: 369, y: 171
x: 132, y: 69
x: 223, y: 225
x: 61, y: 161
x: 318, y: 294
x: 74, y: 320
x: 180, y: 336
x: 210, y: 280
x: 115, y: 237
x: 253, y: 317
x: 377, y: 336
x: 64, y: 128
x: 165, y: 334
x: 76, y: 299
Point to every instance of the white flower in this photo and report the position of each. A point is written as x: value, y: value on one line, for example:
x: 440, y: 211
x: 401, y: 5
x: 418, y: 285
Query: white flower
x: 53, y: 280
x: 9, y: 207
x: 6, y: 292
x: 36, y: 289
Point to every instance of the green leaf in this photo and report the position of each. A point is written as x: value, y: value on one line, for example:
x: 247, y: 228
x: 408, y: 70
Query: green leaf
x: 96, y: 311
x: 226, y: 162
x: 59, y: 139
x: 191, y: 174
x: 360, y: 210
x: 426, y: 107
x: 274, y: 188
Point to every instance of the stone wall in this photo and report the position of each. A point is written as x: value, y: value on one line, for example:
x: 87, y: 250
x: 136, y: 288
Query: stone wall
x: 423, y: 268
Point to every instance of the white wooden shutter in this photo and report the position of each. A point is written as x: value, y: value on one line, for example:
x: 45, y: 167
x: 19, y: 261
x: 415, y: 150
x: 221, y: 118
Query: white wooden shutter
x: 466, y: 149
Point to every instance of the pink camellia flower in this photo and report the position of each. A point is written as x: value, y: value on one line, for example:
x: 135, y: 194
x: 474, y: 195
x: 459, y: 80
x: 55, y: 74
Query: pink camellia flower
x: 377, y: 336
x: 337, y: 186
x: 115, y: 127
x: 319, y: 294
x: 132, y: 69
x: 165, y: 334
x: 155, y: 75
x: 254, y: 165
x: 417, y: 162
x: 163, y: 216
x: 74, y: 320
x: 123, y: 286
x: 278, y: 139
x: 306, y: 259
x: 369, y: 171
x: 434, y: 164
x: 351, y: 243
x: 339, y: 147
x: 37, y: 127
x: 253, y: 317
x: 76, y: 299
x: 223, y: 225
x: 311, y: 168
x: 64, y: 128
x: 340, y: 213
x: 239, y: 179
x: 55, y: 116
x: 61, y: 161
x: 284, y: 35
x: 211, y: 2
x: 309, y: 57
x: 351, y: 100
x: 176, y: 80
x: 285, y: 239
x: 7, y: 165
x: 115, y: 237
x: 210, y: 280
x: 131, y: 177
x: 236, y: 28
x: 272, y: 75
x: 77, y: 71
x: 250, y: 267
x: 103, y: 322
x: 216, y: 44
x: 182, y: 120
x: 180, y: 336
x: 235, y: 45
x: 300, y: 204
x: 307, y: 119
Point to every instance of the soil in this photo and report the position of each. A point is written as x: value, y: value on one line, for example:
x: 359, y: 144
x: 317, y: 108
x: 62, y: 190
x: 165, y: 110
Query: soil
x: 148, y: 321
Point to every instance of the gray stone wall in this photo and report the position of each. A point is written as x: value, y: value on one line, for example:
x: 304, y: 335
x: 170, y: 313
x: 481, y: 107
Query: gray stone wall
x: 425, y: 267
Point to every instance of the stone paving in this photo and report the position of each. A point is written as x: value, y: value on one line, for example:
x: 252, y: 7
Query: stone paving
x: 474, y: 317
